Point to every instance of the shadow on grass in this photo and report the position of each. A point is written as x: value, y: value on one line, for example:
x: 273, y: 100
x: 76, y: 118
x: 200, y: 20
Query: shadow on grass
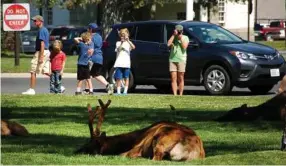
x: 131, y: 116
x: 67, y: 145
x: 193, y: 91
x: 43, y: 143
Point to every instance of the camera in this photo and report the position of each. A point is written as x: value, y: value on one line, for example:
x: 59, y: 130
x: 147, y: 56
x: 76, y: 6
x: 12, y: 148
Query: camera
x: 180, y: 32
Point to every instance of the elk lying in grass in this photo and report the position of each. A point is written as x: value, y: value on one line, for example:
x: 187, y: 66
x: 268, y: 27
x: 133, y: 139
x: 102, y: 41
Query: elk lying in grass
x: 273, y: 109
x: 270, y: 110
x: 12, y: 128
x: 161, y: 140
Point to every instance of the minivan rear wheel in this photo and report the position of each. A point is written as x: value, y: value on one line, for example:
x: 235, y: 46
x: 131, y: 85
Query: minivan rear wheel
x: 260, y: 89
x: 112, y: 80
x: 217, y: 80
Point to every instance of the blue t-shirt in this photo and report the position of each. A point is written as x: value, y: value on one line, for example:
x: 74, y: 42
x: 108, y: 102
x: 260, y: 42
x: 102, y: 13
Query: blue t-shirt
x: 43, y: 35
x: 83, y: 56
x: 97, y: 54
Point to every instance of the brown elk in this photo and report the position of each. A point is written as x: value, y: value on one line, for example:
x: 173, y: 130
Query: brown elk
x: 161, y: 140
x: 270, y: 110
x: 12, y: 128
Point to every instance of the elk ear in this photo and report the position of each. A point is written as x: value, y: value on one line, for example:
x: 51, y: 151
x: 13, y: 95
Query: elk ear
x: 89, y: 107
x: 244, y: 106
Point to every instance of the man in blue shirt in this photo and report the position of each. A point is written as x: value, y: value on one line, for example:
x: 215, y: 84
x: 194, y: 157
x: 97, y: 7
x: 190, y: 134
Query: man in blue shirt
x: 97, y: 58
x: 40, y: 62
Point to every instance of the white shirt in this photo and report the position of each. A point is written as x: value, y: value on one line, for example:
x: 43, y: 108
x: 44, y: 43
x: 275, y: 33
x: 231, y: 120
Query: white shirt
x: 123, y: 54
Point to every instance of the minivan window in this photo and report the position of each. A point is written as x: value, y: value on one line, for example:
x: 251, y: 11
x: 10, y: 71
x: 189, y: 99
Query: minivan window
x: 170, y: 31
x: 214, y: 34
x: 149, y: 32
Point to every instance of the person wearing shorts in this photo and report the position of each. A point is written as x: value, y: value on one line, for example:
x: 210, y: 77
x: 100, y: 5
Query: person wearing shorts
x: 86, y: 50
x: 97, y: 59
x: 178, y: 59
x: 123, y: 63
x: 40, y: 63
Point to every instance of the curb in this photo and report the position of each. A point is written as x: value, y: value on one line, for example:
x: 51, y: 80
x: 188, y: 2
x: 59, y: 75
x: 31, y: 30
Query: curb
x: 27, y: 75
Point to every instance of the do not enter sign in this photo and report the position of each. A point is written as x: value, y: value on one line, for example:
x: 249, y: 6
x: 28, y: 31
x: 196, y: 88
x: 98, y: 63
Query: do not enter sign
x: 16, y: 17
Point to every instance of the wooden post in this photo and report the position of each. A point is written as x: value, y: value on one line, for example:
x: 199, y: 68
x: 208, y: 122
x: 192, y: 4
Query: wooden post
x: 17, y: 49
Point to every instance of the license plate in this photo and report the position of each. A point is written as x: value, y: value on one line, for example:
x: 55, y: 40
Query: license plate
x: 26, y: 43
x: 274, y: 73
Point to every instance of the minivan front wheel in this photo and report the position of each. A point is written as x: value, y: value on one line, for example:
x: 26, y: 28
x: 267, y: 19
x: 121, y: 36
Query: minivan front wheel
x: 111, y: 79
x: 217, y: 80
x: 260, y: 89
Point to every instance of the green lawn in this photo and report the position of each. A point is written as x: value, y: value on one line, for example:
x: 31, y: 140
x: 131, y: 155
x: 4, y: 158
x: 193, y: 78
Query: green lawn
x: 279, y: 45
x: 58, y: 126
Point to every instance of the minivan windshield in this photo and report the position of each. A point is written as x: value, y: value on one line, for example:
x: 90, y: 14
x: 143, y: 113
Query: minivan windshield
x: 213, y: 34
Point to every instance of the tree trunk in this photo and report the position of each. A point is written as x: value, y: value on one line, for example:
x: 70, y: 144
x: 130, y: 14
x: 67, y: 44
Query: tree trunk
x: 111, y: 14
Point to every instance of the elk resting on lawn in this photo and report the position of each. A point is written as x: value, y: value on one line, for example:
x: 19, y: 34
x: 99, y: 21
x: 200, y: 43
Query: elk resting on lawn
x: 12, y: 128
x: 161, y: 140
x: 270, y: 110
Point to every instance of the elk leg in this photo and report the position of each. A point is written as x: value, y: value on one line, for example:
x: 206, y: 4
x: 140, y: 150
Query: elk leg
x: 163, y: 145
x: 133, y: 153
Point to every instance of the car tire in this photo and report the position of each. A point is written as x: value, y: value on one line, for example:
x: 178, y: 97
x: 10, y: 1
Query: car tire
x: 166, y: 88
x: 260, y: 89
x: 111, y: 79
x: 216, y: 80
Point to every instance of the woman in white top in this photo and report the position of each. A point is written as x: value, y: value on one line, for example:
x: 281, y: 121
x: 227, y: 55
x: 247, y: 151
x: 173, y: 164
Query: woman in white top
x: 123, y: 62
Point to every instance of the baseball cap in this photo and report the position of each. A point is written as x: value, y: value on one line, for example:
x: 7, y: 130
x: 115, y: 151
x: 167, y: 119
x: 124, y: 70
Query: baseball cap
x: 38, y: 17
x: 179, y: 27
x: 92, y: 26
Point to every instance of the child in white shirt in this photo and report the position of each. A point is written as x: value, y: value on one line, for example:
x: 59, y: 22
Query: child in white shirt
x: 123, y: 63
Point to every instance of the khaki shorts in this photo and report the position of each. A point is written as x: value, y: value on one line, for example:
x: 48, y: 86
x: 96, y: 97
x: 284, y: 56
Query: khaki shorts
x: 177, y: 66
x: 41, y: 68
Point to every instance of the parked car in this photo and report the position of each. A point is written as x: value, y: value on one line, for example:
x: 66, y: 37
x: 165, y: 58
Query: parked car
x: 258, y: 33
x: 275, y: 31
x: 66, y: 35
x: 217, y: 58
x: 28, y: 41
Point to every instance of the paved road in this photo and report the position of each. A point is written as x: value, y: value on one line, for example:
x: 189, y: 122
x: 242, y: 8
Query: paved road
x: 17, y: 84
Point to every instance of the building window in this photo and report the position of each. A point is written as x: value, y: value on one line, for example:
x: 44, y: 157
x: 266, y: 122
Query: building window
x: 181, y: 15
x: 50, y: 16
x: 221, y: 12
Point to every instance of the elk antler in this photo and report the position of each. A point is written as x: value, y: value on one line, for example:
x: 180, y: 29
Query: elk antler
x: 100, y: 113
x: 91, y: 115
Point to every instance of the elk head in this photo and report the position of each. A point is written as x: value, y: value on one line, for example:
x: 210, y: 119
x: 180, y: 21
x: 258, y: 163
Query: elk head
x: 96, y: 136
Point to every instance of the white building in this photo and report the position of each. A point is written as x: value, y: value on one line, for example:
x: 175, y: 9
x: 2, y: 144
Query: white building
x: 230, y: 15
x: 55, y: 16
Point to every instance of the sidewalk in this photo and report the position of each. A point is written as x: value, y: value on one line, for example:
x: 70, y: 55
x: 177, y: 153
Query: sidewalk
x: 27, y: 75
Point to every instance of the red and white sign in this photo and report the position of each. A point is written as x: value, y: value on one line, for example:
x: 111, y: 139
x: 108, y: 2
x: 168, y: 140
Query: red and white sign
x: 16, y: 17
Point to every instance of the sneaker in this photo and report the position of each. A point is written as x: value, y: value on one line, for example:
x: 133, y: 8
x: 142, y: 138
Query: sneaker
x: 124, y: 93
x: 29, y: 92
x: 63, y: 89
x: 90, y: 93
x: 110, y: 89
x: 77, y: 93
x: 85, y: 91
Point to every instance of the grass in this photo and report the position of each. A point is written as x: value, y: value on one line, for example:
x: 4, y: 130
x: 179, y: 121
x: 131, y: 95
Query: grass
x: 8, y: 61
x: 279, y: 45
x: 57, y: 125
